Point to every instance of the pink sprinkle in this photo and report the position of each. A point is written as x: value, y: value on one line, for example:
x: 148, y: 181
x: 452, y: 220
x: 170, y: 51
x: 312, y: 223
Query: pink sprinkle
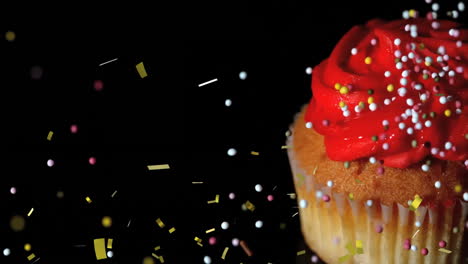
x: 212, y: 240
x: 326, y: 198
x: 270, y: 198
x: 436, y: 89
x: 458, y: 104
x: 382, y: 136
x: 407, y: 246
x: 451, y: 81
x: 98, y: 85
x: 424, y: 251
x: 407, y: 241
x: 397, y: 119
x: 325, y: 122
x: 74, y: 129
x: 314, y: 259
x: 442, y: 244
x: 380, y: 170
x: 92, y: 160
x: 459, y: 69
x: 417, y: 68
x: 429, y: 16
x: 379, y: 229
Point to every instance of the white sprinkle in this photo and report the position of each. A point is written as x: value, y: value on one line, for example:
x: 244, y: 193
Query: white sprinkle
x: 409, y: 130
x: 397, y: 41
x: 417, y: 224
x: 259, y: 224
x: 414, y: 34
x: 346, y: 113
x: 461, y: 6
x: 387, y: 74
x: 435, y: 25
x: 451, y: 73
x: 309, y: 125
x: 399, y: 65
x: 385, y: 146
x: 442, y: 154
x: 319, y: 194
x: 369, y: 203
x: 308, y: 70
x: 385, y: 123
x: 242, y: 75
x: 428, y: 123
x: 330, y: 183
x: 405, y: 14
x: 397, y: 53
x: 372, y: 160
x: 434, y: 75
x: 423, y: 97
x: 459, y: 43
x: 354, y: 51
x: 357, y: 109
x: 401, y: 125
x: 435, y: 7
x: 235, y: 242
x: 258, y: 188
x: 104, y: 63
x: 110, y: 254
x: 425, y: 167
x: 409, y: 102
x: 408, y: 111
x: 373, y: 106
x: 224, y: 225
x: 465, y: 197
x: 401, y: 91
x: 448, y: 145
x: 207, y: 260
x: 418, y: 126
x: 405, y: 73
x: 437, y: 184
x: 232, y: 152
x: 404, y: 59
x: 373, y: 42
x: 443, y: 100
x: 414, y: 248
x: 50, y: 162
x: 434, y: 151
x: 411, y: 55
x: 303, y: 203
x: 208, y: 82
x: 403, y: 81
x: 387, y: 101
x: 6, y: 252
x: 228, y: 102
x: 418, y: 86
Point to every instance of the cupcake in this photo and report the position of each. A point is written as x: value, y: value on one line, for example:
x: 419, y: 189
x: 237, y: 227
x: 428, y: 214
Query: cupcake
x: 380, y: 154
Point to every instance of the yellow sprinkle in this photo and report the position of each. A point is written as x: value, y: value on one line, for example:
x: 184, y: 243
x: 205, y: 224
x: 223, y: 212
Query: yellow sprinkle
x: 200, y: 244
x: 161, y: 259
x: 49, y: 136
x: 370, y: 100
x: 359, y: 249
x: 27, y: 247
x: 217, y: 198
x: 344, y: 90
x: 368, y: 60
x: 443, y: 250
x: 160, y: 223
x: 302, y: 252
x: 447, y: 112
x: 351, y: 196
x: 172, y: 230
x: 198, y: 239
x: 197, y: 182
x: 427, y: 63
x: 250, y: 206
x: 88, y: 199
x: 31, y: 257
x: 100, y: 248
x: 158, y: 167
x: 106, y: 221
x: 109, y: 243
x: 225, y: 252
x: 210, y: 230
x: 284, y: 147
x: 10, y: 36
x: 416, y: 202
x: 390, y: 87
x: 362, y: 104
x: 458, y: 188
x: 254, y: 153
x: 341, y: 104
x: 412, y: 13
x: 30, y: 212
x: 154, y: 255
x: 337, y: 86
x: 157, y: 248
x: 141, y: 70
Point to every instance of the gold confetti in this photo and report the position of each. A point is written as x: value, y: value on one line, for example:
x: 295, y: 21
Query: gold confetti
x: 250, y: 206
x: 302, y: 252
x: 225, y: 252
x: 197, y: 182
x: 158, y: 167
x: 315, y: 170
x: 160, y: 223
x: 106, y: 221
x: 141, y: 70
x: 161, y: 259
x: 443, y: 250
x: 416, y: 202
x: 216, y: 200
x: 114, y: 193
x: 49, y: 136
x: 255, y: 153
x: 109, y: 243
x: 172, y: 230
x: 458, y: 188
x: 88, y: 199
x: 200, y: 244
x: 155, y: 256
x: 157, y: 248
x: 415, y: 233
x: 210, y: 230
x: 31, y: 257
x: 17, y: 223
x: 351, y: 196
x: 343, y: 258
x: 30, y: 212
x: 10, y: 36
x: 198, y: 239
x: 27, y: 247
x: 284, y: 147
x: 100, y: 248
x: 359, y: 249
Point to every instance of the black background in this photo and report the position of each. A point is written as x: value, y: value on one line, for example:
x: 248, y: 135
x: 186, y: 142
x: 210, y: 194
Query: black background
x: 164, y: 118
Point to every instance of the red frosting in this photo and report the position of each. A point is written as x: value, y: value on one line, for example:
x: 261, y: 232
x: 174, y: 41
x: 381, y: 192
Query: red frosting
x: 429, y: 116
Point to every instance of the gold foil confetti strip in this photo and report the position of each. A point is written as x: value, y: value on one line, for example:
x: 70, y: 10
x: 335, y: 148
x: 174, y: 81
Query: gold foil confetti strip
x: 443, y: 250
x: 100, y: 248
x: 225, y: 252
x: 160, y: 223
x: 49, y: 136
x: 200, y: 244
x: 416, y: 202
x: 302, y: 252
x: 158, y: 167
x: 254, y: 153
x: 157, y: 248
x: 415, y: 233
x: 210, y: 230
x: 359, y: 248
x: 250, y: 206
x: 31, y: 257
x: 109, y: 243
x: 114, y: 193
x: 141, y: 70
x: 88, y: 199
x: 172, y: 230
x: 198, y: 239
x: 197, y: 182
x: 30, y: 212
x: 284, y: 147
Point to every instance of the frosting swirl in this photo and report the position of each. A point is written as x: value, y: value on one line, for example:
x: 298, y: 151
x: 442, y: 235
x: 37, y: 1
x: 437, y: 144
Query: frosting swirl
x: 394, y: 91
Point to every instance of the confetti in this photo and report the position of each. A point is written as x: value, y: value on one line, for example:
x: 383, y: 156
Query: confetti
x: 446, y: 251
x: 416, y: 202
x: 250, y: 206
x: 302, y: 252
x: 49, y: 136
x: 157, y: 248
x: 359, y: 249
x: 109, y: 243
x: 30, y: 212
x: 17, y: 223
x: 100, y: 248
x: 160, y: 223
x: 284, y: 147
x: 172, y: 230
x: 208, y: 82
x: 197, y: 182
x: 216, y: 200
x: 141, y: 70
x: 31, y: 257
x: 415, y: 233
x: 10, y: 36
x: 88, y: 199
x: 246, y: 249
x: 114, y: 193
x: 254, y: 153
x: 158, y: 167
x: 210, y: 230
x: 106, y: 221
x: 224, y: 253
x: 104, y: 63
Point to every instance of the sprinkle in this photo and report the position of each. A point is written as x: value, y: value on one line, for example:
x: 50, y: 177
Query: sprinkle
x: 346, y: 164
x: 210, y: 230
x: 326, y: 198
x: 208, y: 82
x: 197, y: 182
x: 30, y: 212
x: 344, y: 90
x: 246, y: 249
x: 372, y: 160
x: 379, y: 229
x: 104, y: 63
x: 414, y: 248
x: 318, y: 194
x: 458, y: 188
x: 465, y: 197
x: 443, y: 250
x: 284, y: 147
x: 387, y: 74
x: 447, y: 112
x: 425, y: 167
x: 109, y: 243
x: 158, y: 167
x: 359, y: 249
x: 343, y: 258
x: 308, y: 70
x: 442, y: 243
x: 225, y: 252
x: 303, y: 203
x: 390, y: 87
x: 160, y: 223
x: 369, y: 203
x: 141, y: 70
x: 259, y: 224
x: 172, y: 230
x: 228, y: 102
x: 354, y: 51
x: 330, y: 183
x: 337, y: 86
x: 437, y: 184
x: 416, y: 202
x: 351, y: 196
x: 258, y: 188
x: 207, y: 260
x: 380, y: 170
x: 424, y: 251
x: 385, y: 146
x: 417, y: 224
x: 50, y: 162
x: 368, y: 60
x: 443, y: 100
x: 88, y: 199
x: 243, y: 75
x: 100, y: 248
x: 49, y: 136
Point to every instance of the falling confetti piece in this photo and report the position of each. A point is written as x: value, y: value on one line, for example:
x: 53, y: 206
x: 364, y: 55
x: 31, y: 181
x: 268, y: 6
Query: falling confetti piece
x: 160, y: 223
x: 255, y: 153
x: 141, y: 70
x: 224, y: 253
x: 172, y: 230
x: 200, y: 244
x: 208, y: 82
x: 158, y: 167
x: 114, y: 193
x: 359, y: 249
x: 155, y: 256
x: 246, y: 249
x: 443, y: 250
x: 100, y: 248
x: 302, y: 252
x: 106, y: 221
x: 109, y: 243
x: 250, y: 206
x: 210, y: 230
x: 415, y: 233
x: 88, y: 199
x: 416, y: 202
x: 284, y: 147
x: 157, y: 248
x: 31, y: 257
x: 30, y: 212
x: 104, y: 63
x: 197, y: 182
x: 351, y: 196
x: 198, y: 239
x: 49, y: 136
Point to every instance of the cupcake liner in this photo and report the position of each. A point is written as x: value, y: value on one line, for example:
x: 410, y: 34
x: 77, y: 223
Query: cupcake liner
x: 328, y: 227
